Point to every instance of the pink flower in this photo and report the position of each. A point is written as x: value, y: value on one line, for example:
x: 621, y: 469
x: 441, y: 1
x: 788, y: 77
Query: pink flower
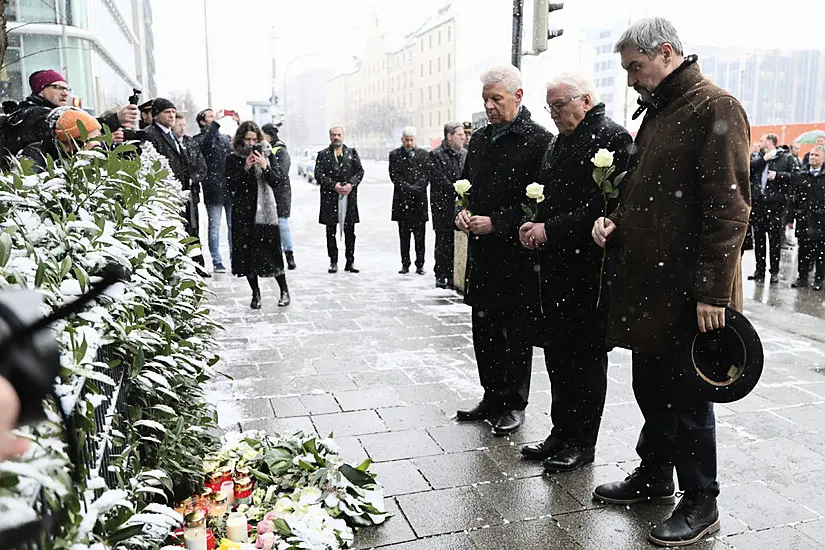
x: 265, y: 541
x: 270, y: 516
x: 265, y: 526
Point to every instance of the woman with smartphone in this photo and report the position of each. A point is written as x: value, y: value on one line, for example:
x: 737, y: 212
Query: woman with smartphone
x: 252, y: 175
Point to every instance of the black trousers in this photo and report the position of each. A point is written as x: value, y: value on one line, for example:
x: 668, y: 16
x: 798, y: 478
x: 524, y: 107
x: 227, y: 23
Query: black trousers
x: 192, y: 226
x: 418, y: 231
x: 679, y: 428
x: 578, y: 385
x: 349, y: 242
x: 444, y: 254
x: 767, y: 222
x: 812, y: 253
x: 504, y: 358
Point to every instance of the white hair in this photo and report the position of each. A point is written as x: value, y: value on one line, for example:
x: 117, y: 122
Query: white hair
x: 508, y: 75
x: 648, y: 35
x: 409, y: 131
x: 579, y: 84
x: 336, y: 127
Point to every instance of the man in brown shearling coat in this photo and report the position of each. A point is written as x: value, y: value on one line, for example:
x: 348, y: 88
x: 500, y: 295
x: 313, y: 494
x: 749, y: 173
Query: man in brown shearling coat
x: 676, y: 239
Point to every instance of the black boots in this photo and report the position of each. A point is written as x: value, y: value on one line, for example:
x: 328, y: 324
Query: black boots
x: 545, y: 449
x: 285, y: 300
x: 333, y: 267
x: 695, y: 516
x: 256, y: 299
x: 643, y: 485
x: 569, y: 459
x: 508, y: 423
x: 351, y: 268
x: 485, y: 410
x: 290, y: 260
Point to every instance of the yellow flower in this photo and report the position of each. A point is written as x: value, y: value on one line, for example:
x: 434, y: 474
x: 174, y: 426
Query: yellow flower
x: 535, y: 191
x: 462, y: 187
x: 227, y: 544
x: 603, y: 158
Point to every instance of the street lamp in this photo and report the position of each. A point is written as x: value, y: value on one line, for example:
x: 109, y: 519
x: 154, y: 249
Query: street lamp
x: 206, y: 48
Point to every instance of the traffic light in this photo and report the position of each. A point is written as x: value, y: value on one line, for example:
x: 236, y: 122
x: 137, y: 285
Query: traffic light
x: 541, y: 15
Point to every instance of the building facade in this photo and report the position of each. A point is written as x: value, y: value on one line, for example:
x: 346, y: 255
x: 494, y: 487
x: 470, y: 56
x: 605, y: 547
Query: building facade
x: 104, y: 48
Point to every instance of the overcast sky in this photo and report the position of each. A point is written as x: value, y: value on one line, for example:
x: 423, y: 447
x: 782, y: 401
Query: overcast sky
x: 241, y: 34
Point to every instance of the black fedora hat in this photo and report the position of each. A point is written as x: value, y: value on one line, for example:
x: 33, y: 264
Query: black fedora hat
x: 723, y: 365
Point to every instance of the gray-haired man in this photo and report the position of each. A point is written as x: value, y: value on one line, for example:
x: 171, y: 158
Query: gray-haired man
x: 446, y: 163
x: 409, y: 172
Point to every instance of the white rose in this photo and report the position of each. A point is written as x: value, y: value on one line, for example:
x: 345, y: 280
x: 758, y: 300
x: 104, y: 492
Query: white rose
x: 462, y: 187
x: 603, y: 158
x: 535, y: 191
x: 310, y: 495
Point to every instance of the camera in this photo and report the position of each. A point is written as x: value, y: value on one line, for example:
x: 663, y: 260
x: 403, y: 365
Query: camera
x: 264, y: 148
x: 134, y: 99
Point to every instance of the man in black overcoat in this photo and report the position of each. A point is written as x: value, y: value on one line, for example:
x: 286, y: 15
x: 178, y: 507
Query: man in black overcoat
x: 410, y: 172
x: 338, y: 171
x: 573, y: 330
x: 503, y: 159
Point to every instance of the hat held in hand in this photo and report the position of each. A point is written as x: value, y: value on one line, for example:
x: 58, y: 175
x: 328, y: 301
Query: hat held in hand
x: 723, y: 365
x: 65, y: 120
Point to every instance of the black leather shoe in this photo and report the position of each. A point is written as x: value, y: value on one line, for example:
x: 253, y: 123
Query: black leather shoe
x: 420, y: 271
x: 256, y: 300
x: 695, y: 516
x: 333, y: 268
x: 508, y: 423
x: 545, y: 449
x: 441, y: 283
x: 817, y: 286
x: 799, y: 283
x: 404, y: 270
x: 290, y: 260
x: 485, y: 410
x: 569, y: 459
x: 285, y: 299
x: 758, y: 277
x: 643, y: 485
x: 351, y: 268
x: 774, y: 278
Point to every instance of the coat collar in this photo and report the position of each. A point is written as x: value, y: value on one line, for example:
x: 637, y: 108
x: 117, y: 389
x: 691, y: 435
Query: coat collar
x: 518, y: 126
x: 673, y: 86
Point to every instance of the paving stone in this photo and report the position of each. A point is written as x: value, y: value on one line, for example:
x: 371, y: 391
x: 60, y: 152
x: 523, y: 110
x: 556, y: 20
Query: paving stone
x: 244, y: 409
x: 282, y: 426
x: 455, y: 541
x: 288, y: 406
x: 580, y: 484
x: 415, y: 416
x: 349, y: 423
x: 447, y: 511
x: 378, y: 379
x: 759, y: 507
x: 425, y: 393
x: 809, y: 417
x: 738, y: 466
x: 536, y: 427
x: 323, y: 383
x: 453, y: 470
x: 524, y: 535
x: 813, y: 529
x: 323, y: 403
x: 400, y: 477
x: 794, y: 458
x: 350, y: 449
x: 372, y: 398
x: 395, y: 529
x: 512, y: 464
x: 528, y: 498
x: 399, y: 445
x: 466, y: 437
x: 781, y: 538
x: 606, y: 529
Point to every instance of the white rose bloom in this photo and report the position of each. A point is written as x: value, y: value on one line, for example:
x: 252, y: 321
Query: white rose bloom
x: 462, y: 187
x: 310, y: 495
x: 603, y: 158
x: 535, y: 191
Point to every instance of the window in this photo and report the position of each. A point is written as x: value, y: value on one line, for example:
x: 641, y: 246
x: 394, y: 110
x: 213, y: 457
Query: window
x: 431, y: 42
x: 448, y: 91
x: 422, y: 69
x: 449, y: 61
x: 439, y: 38
x: 449, y: 115
x: 449, y: 33
x: 422, y: 95
x: 439, y: 64
x: 431, y: 66
x: 422, y: 45
x: 430, y: 90
x: 411, y: 103
x: 439, y: 91
x: 421, y: 119
x: 431, y: 118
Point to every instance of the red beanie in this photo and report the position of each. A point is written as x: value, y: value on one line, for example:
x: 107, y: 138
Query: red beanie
x: 40, y: 79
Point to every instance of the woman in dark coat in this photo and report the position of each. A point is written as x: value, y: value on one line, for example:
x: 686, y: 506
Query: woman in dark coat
x: 252, y: 175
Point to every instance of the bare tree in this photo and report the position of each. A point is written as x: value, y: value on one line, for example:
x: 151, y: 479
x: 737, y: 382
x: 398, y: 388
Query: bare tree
x: 185, y: 104
x: 382, y: 119
x: 4, y: 38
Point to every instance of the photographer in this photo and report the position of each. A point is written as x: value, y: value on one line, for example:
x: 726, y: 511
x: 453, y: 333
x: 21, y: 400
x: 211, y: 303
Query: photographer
x: 252, y: 177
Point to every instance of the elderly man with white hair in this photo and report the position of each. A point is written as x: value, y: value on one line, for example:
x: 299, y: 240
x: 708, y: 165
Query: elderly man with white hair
x: 410, y: 175
x: 503, y: 159
x: 573, y: 333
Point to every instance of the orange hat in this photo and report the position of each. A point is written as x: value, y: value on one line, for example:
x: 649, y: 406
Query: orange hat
x: 65, y: 123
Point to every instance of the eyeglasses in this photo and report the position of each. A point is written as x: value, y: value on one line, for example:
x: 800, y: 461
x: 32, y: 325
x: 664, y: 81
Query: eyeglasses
x: 60, y: 88
x: 559, y: 105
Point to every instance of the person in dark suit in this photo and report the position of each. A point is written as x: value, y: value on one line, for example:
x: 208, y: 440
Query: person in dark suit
x: 573, y: 331
x: 338, y: 171
x: 504, y: 158
x: 446, y: 164
x: 161, y: 136
x: 409, y: 172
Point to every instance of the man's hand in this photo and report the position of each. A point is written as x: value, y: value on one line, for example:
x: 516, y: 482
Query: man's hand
x: 10, y: 445
x: 532, y: 235
x: 462, y: 221
x: 236, y: 117
x: 524, y: 235
x: 771, y: 154
x: 261, y: 160
x: 481, y: 225
x: 128, y: 115
x: 710, y: 317
x: 339, y: 188
x: 347, y: 187
x: 602, y: 229
x: 771, y: 175
x: 118, y: 136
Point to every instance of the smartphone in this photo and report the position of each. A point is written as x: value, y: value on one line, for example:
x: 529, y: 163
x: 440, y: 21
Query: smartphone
x: 229, y: 112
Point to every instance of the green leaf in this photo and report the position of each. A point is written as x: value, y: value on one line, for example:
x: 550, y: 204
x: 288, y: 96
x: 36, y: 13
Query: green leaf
x: 125, y: 533
x: 364, y: 466
x: 357, y: 477
x: 282, y: 527
x: 65, y: 267
x: 125, y: 148
x: 614, y: 194
x: 84, y: 133
x: 617, y: 181
x: 82, y: 277
x: 40, y: 275
x: 5, y: 248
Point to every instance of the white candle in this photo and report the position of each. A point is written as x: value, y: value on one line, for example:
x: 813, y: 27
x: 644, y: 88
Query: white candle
x: 195, y: 539
x: 228, y: 488
x: 236, y: 527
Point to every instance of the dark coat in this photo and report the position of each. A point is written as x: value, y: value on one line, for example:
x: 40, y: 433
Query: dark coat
x: 570, y: 260
x: 777, y: 193
x: 446, y: 166
x: 500, y: 271
x: 283, y: 193
x: 197, y: 164
x: 410, y: 175
x: 215, y: 147
x: 328, y: 172
x: 683, y: 214
x: 178, y: 160
x: 809, y: 205
x: 256, y: 248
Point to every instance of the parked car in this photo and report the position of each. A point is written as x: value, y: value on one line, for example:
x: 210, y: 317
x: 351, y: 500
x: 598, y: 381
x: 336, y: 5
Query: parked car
x: 306, y: 164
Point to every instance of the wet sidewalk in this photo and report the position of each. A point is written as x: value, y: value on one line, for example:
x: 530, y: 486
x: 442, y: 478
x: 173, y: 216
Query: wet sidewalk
x: 383, y: 360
